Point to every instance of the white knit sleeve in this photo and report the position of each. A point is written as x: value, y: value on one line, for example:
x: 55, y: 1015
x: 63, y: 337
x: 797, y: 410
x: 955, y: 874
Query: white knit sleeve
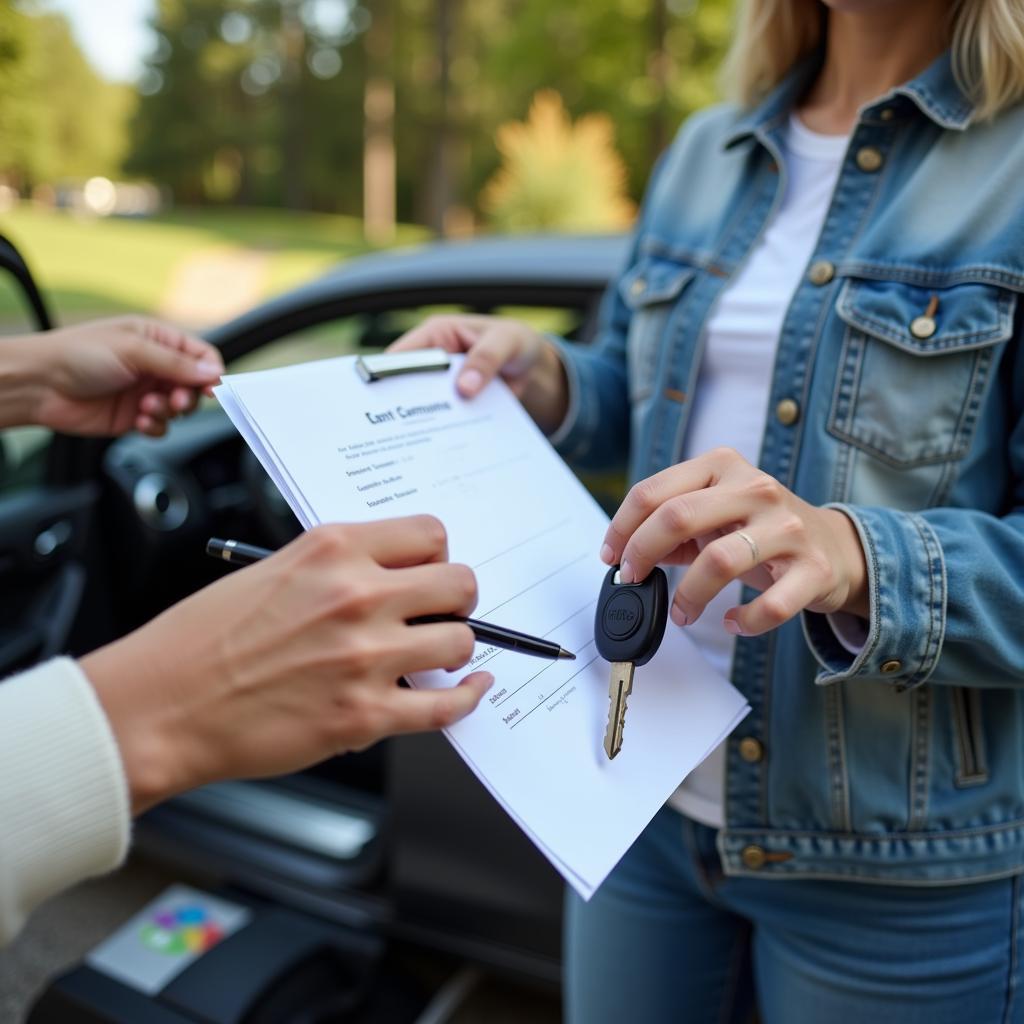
x: 64, y: 807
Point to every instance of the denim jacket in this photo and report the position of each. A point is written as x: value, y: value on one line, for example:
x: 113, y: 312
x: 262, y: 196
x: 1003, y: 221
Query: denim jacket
x: 897, y: 396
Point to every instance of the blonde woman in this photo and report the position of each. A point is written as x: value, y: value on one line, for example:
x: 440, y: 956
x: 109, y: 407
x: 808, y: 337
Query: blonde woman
x: 813, y: 362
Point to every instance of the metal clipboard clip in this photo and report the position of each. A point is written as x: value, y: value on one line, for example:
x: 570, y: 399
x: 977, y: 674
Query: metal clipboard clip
x: 395, y: 364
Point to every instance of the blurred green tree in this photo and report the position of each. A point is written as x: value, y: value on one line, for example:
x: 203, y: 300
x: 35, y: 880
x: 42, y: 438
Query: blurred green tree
x: 85, y: 117
x: 558, y: 175
x: 58, y: 118
x: 264, y: 101
x: 19, y: 107
x: 646, y: 63
x: 253, y: 101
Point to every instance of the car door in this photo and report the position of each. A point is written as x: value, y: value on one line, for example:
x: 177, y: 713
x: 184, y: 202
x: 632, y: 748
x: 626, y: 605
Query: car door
x: 48, y: 506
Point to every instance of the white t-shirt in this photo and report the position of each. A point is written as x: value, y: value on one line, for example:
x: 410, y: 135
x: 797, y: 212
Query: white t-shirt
x: 731, y: 398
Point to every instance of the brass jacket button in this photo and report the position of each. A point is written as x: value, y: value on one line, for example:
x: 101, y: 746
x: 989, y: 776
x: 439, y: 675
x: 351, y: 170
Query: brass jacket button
x: 751, y: 750
x: 821, y: 272
x: 638, y: 287
x: 869, y: 159
x: 787, y: 412
x: 891, y: 666
x: 923, y: 327
x: 753, y: 857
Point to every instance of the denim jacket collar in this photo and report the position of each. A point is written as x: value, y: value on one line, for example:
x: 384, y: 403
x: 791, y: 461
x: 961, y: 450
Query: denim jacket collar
x: 939, y: 96
x: 935, y: 92
x: 776, y: 106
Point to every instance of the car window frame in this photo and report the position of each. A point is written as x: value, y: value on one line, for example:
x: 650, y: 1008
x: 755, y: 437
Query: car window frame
x: 276, y: 320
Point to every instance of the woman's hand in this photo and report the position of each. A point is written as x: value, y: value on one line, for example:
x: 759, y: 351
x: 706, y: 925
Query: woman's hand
x: 107, y: 377
x: 727, y: 520
x: 494, y: 346
x: 291, y: 660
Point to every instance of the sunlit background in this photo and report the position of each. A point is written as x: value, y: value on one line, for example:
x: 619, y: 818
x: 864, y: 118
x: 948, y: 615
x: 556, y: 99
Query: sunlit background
x: 191, y: 157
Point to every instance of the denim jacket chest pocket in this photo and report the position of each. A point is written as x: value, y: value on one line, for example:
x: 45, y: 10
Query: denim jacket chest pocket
x: 914, y: 367
x: 650, y: 290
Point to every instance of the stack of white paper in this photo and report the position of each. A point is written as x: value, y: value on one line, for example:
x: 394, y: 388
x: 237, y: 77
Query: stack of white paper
x: 342, y: 450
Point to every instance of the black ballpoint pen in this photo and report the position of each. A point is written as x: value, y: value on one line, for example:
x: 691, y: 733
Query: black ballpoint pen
x: 236, y: 553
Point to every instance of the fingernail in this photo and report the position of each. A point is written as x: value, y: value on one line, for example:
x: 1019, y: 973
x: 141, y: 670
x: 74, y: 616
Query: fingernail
x: 732, y: 626
x: 488, y: 680
x: 679, y: 617
x: 471, y: 382
x: 207, y: 368
x: 607, y: 555
x: 626, y: 572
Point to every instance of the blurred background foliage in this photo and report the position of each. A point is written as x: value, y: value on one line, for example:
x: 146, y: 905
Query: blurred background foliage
x: 58, y: 118
x: 367, y: 117
x: 556, y: 174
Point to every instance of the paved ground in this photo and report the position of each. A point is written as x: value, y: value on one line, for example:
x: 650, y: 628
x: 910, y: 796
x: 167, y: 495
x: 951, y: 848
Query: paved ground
x: 64, y: 929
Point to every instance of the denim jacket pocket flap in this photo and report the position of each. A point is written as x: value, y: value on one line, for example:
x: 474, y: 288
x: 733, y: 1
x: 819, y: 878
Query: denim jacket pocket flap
x: 653, y: 281
x: 928, y: 322
x: 938, y: 346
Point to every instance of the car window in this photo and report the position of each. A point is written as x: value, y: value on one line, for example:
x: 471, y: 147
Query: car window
x: 22, y: 449
x: 566, y: 323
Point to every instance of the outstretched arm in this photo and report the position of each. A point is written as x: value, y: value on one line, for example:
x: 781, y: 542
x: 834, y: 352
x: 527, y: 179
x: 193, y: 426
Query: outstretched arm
x: 105, y: 377
x: 269, y: 670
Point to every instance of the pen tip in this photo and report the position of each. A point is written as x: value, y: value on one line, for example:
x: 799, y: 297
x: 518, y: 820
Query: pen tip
x: 563, y: 653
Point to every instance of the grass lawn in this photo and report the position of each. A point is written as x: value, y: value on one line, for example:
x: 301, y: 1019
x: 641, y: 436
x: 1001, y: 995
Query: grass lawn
x: 90, y: 267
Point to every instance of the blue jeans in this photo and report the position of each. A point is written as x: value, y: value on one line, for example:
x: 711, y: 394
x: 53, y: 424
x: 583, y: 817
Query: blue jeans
x: 668, y: 938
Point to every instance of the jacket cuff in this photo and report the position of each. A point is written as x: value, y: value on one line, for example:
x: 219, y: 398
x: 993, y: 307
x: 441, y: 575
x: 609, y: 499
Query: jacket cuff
x: 63, y: 796
x: 906, y: 574
x: 572, y: 438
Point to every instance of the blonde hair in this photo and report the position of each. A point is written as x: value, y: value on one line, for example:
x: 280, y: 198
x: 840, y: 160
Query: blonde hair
x: 987, y: 42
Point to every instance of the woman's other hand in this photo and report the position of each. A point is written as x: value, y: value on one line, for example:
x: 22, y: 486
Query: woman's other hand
x: 497, y: 346
x: 728, y: 520
x: 291, y: 660
x: 107, y: 377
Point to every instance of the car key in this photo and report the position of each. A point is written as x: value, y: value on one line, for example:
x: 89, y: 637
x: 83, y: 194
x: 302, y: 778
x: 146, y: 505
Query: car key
x: 628, y: 629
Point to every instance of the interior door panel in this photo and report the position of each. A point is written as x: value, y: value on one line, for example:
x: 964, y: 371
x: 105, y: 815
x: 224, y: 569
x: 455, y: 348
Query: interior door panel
x: 45, y: 537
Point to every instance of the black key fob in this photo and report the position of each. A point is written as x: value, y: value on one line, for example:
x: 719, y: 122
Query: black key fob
x: 631, y: 617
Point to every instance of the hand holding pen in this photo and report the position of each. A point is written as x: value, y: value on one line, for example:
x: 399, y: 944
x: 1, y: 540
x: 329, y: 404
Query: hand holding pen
x: 236, y: 553
x: 226, y: 685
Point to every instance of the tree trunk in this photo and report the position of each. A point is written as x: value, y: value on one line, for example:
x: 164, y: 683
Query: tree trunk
x: 658, y: 69
x: 293, y: 35
x: 441, y: 185
x: 379, y: 166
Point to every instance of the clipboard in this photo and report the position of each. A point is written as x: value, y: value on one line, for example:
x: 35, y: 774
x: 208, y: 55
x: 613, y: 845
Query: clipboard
x: 341, y: 451
x: 397, y: 364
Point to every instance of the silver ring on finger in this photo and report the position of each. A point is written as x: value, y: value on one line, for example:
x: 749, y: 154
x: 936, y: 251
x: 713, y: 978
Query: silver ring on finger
x: 752, y: 544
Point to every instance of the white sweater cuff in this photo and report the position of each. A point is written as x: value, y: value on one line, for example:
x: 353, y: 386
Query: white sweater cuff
x: 64, y: 807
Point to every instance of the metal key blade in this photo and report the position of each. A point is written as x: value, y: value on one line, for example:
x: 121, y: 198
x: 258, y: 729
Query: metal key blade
x: 619, y: 689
